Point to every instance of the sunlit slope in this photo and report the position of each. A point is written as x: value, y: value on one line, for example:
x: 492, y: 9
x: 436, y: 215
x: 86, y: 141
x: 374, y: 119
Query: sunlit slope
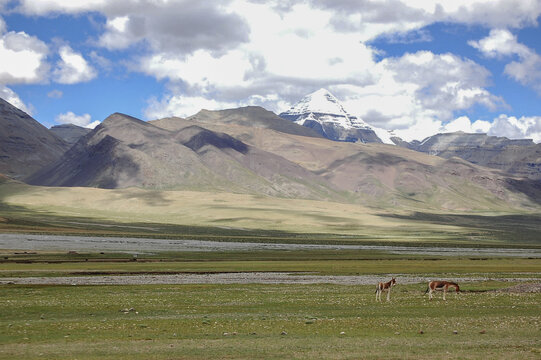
x: 379, y: 175
x: 125, y: 152
x: 190, y: 208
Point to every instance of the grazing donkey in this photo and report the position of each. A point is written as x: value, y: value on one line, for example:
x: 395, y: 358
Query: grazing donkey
x: 385, y: 287
x: 440, y: 285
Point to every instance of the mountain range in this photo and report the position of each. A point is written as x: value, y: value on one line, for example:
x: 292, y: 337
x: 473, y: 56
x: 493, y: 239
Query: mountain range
x: 25, y: 144
x: 254, y: 151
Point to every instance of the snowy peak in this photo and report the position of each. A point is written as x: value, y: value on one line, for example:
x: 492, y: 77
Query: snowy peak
x: 322, y: 112
x: 319, y: 102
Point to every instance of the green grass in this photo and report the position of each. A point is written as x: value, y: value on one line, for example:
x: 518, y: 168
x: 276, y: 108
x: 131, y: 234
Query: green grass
x: 313, y: 262
x: 189, y: 322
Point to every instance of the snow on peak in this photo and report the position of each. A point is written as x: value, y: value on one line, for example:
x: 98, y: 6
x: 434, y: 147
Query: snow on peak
x: 320, y: 102
x: 385, y: 135
x: 323, y: 106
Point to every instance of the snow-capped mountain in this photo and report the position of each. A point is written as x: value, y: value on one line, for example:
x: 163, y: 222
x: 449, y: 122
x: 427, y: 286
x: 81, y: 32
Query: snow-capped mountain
x: 322, y: 112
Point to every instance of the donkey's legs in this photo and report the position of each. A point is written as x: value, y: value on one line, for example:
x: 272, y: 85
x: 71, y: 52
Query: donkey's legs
x: 389, y: 294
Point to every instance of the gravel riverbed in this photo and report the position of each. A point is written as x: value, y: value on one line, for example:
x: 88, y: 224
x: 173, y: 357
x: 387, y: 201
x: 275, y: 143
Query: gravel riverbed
x: 236, y: 278
x: 28, y: 242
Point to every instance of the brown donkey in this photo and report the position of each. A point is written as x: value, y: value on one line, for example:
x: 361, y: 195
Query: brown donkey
x: 385, y: 287
x: 440, y: 285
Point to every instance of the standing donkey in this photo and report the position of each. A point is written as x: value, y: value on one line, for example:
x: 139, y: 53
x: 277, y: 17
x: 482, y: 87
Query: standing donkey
x: 440, y: 285
x: 385, y: 287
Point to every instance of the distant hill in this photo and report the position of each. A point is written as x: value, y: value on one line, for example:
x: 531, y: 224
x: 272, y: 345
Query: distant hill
x: 385, y: 175
x: 70, y: 133
x: 124, y: 151
x: 252, y: 116
x: 25, y: 144
x: 252, y: 151
x: 518, y: 157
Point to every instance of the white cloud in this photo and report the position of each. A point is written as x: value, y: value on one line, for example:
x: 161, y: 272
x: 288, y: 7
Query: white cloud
x: 517, y: 128
x: 506, y: 126
x: 480, y: 126
x: 72, y: 68
x: 84, y: 120
x: 215, y: 54
x: 415, y: 94
x: 22, y: 59
x: 182, y: 106
x: 498, y: 43
x: 11, y: 97
x: 463, y: 123
x: 46, y: 7
x: 371, y: 19
x: 502, y: 43
x: 200, y: 69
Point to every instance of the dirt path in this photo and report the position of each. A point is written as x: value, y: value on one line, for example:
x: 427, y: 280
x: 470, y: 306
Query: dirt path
x: 236, y: 278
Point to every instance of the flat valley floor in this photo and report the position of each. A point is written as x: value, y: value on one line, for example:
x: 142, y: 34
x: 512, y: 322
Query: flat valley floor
x: 182, y: 299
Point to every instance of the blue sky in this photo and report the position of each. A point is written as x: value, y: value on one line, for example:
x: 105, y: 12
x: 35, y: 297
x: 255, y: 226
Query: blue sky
x: 415, y: 67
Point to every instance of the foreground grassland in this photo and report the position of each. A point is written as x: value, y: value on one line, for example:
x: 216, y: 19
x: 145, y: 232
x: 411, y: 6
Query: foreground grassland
x: 271, y: 321
x: 266, y: 321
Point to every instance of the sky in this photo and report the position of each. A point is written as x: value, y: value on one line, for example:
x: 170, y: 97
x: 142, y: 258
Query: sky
x: 416, y: 67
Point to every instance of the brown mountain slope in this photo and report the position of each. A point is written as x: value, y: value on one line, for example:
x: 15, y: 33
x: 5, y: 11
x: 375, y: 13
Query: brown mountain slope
x: 388, y: 176
x: 124, y: 151
x: 25, y: 144
x: 252, y: 116
x: 517, y: 157
x: 70, y: 133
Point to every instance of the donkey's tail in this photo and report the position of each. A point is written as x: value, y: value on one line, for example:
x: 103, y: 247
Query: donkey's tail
x: 427, y: 288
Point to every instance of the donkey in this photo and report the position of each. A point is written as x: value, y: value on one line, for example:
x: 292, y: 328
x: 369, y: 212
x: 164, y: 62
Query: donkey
x: 385, y: 287
x: 440, y: 285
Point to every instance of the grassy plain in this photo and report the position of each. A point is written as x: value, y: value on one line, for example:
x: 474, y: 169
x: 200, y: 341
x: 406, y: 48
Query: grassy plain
x: 265, y: 321
x: 241, y: 217
x: 234, y: 321
x: 322, y: 321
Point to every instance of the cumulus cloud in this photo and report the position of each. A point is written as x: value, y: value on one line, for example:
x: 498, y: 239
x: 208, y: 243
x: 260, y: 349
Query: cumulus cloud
x: 517, y: 128
x: 22, y: 59
x: 415, y: 94
x: 45, y: 7
x: 502, y: 43
x: 374, y: 18
x: 506, y: 126
x: 215, y: 54
x: 284, y: 57
x: 11, y: 97
x: 84, y: 120
x: 166, y: 26
x: 200, y: 25
x: 464, y: 124
x: 72, y: 67
x: 445, y: 82
x: 178, y: 105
